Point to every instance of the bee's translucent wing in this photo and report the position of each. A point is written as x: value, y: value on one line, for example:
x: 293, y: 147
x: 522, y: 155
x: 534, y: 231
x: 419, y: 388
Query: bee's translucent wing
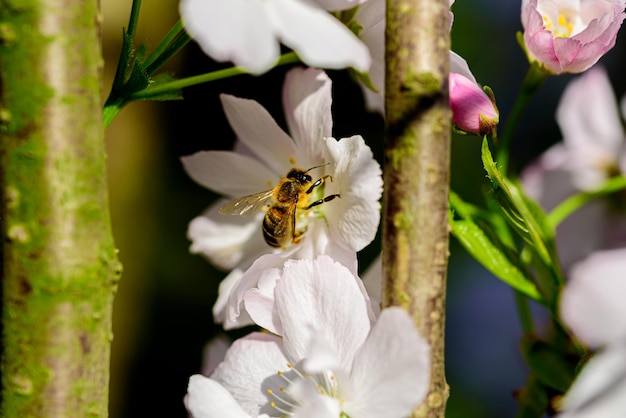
x: 246, y: 205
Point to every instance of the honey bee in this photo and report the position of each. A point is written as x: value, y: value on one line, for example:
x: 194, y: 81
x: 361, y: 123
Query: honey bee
x: 291, y: 194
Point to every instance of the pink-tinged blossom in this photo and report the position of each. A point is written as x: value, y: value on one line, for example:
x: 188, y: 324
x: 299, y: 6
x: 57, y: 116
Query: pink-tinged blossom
x: 331, y: 360
x: 592, y: 306
x: 266, y: 153
x: 569, y: 36
x: 591, y: 152
x: 249, y: 32
x: 473, y: 111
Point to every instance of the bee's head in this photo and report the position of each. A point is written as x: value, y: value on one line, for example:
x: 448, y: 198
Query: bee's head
x: 299, y: 175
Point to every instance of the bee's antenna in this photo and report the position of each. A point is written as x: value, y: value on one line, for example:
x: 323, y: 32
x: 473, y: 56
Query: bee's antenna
x: 317, y: 166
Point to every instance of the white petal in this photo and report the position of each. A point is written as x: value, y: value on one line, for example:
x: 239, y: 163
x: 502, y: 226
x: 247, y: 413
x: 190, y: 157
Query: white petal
x: 229, y: 173
x: 312, y: 404
x: 263, y: 268
x: 550, y: 182
x: 261, y: 308
x: 260, y: 302
x: 260, y: 133
x: 321, y: 355
x: 316, y: 241
x: 371, y: 16
x: 335, y: 5
x: 373, y: 282
x: 307, y: 100
x: 593, y: 301
x: 225, y: 240
x: 390, y: 374
x: 600, y: 388
x: 536, y: 177
x: 354, y: 218
x: 321, y: 295
x: 208, y: 399
x: 459, y: 65
x: 319, y: 39
x: 589, y: 120
x: 250, y: 369
x: 223, y: 294
x: 233, y: 30
x: 214, y: 352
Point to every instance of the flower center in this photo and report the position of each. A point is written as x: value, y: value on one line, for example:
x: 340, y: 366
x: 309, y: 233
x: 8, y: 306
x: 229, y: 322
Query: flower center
x: 284, y: 401
x: 563, y: 26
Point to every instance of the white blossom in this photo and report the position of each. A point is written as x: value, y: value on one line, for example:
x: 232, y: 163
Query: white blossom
x: 592, y: 306
x: 592, y: 150
x: 330, y: 359
x: 340, y: 227
x: 249, y: 32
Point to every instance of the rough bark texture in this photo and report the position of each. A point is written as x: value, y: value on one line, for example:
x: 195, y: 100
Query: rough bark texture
x: 59, y: 265
x: 415, y: 220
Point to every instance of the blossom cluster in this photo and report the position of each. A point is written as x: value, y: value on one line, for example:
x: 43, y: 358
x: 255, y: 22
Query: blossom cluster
x: 311, y: 203
x: 333, y: 352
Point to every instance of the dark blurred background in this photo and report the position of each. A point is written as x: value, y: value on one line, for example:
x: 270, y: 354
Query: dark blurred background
x: 162, y: 316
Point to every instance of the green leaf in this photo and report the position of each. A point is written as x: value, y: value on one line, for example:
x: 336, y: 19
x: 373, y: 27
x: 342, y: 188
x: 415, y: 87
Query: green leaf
x: 521, y: 216
x: 550, y: 365
x: 533, y: 399
x: 157, y: 81
x: 488, y: 250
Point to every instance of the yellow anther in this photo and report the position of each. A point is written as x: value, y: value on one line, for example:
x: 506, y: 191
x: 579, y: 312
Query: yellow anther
x: 270, y: 391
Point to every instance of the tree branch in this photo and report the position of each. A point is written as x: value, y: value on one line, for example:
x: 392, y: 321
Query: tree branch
x: 60, y: 268
x: 417, y: 160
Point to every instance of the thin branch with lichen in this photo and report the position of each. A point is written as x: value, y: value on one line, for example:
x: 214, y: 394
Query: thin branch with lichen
x: 416, y: 173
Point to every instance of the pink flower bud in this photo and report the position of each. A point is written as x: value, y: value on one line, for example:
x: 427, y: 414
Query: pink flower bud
x: 570, y: 36
x: 472, y: 110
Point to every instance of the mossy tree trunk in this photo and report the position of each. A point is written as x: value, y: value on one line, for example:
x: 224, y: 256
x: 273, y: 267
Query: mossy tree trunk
x: 417, y: 160
x: 59, y: 266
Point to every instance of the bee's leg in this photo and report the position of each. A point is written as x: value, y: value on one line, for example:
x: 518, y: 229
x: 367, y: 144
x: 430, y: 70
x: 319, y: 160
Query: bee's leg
x: 320, y: 201
x: 297, y: 235
x: 318, y: 182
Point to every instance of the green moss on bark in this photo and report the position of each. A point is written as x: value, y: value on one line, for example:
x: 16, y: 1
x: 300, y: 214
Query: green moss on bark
x: 59, y: 264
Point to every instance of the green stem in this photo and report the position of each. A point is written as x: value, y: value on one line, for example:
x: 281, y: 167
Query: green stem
x: 535, y: 76
x: 175, y: 85
x: 122, y: 65
x: 523, y: 311
x: 173, y: 42
x: 114, y: 104
x: 573, y: 203
x: 111, y: 109
x: 134, y: 18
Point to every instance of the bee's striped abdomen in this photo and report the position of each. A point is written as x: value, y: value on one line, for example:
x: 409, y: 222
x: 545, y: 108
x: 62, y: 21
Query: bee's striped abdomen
x: 275, y: 214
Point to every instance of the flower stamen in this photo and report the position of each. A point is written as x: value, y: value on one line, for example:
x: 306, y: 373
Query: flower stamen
x: 280, y: 399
